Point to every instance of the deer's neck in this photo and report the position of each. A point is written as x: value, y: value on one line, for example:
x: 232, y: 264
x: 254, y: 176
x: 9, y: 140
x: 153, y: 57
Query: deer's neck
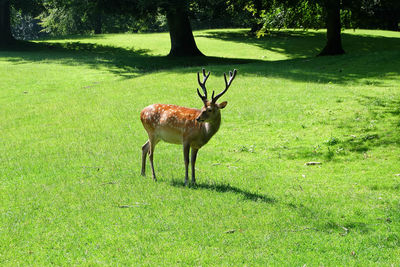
x: 210, y: 128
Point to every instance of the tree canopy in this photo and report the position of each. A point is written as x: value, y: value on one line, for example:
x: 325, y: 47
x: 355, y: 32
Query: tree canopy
x: 60, y: 17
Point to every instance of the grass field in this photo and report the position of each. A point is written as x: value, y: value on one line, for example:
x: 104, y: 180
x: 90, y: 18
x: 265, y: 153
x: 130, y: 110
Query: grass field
x: 70, y: 151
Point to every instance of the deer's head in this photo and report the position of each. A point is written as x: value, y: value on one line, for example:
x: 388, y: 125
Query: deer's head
x: 211, y: 109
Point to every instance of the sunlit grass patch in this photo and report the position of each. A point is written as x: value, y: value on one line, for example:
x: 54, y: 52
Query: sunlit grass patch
x: 70, y: 153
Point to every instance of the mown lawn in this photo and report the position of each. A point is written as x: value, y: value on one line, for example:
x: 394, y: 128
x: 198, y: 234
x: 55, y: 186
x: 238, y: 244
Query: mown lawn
x: 70, y: 153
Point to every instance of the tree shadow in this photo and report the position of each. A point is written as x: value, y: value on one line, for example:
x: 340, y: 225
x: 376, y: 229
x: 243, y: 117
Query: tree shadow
x: 367, y: 57
x: 302, y: 43
x: 227, y: 188
x: 378, y: 127
x: 128, y: 63
x: 294, y: 44
x: 375, y: 59
x: 372, y: 135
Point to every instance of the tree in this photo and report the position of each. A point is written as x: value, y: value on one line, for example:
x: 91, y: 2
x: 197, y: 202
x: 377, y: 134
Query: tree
x: 71, y: 17
x: 176, y: 11
x: 333, y: 28
x: 98, y: 20
x: 6, y: 37
x: 306, y: 14
x: 32, y: 7
x: 375, y: 14
x: 385, y: 13
x: 180, y: 32
x: 256, y: 8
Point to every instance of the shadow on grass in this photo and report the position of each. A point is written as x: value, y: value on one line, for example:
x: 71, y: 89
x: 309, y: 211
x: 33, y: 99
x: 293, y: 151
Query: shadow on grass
x: 381, y: 126
x: 227, y: 188
x: 124, y: 62
x: 372, y: 59
x: 377, y: 127
x: 294, y: 44
x: 299, y: 43
x: 367, y: 57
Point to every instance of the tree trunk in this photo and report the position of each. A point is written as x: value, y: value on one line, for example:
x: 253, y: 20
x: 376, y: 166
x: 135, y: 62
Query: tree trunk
x: 98, y: 21
x: 5, y: 27
x: 333, y: 27
x: 180, y: 32
x: 256, y: 23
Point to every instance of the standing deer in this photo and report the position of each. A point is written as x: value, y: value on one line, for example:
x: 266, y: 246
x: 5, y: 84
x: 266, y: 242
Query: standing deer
x: 180, y: 125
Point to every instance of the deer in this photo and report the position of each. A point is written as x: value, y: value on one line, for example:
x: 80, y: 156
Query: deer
x: 190, y: 127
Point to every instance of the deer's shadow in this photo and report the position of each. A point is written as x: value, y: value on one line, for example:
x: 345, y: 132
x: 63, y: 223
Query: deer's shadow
x: 227, y: 188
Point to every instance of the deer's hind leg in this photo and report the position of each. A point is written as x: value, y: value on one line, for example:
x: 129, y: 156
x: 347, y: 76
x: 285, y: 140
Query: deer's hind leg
x: 145, y: 151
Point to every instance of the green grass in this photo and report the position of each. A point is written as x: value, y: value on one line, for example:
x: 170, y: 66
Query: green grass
x: 70, y: 152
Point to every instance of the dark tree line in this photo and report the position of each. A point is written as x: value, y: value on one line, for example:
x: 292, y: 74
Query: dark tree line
x: 29, y: 6
x: 5, y: 28
x: 96, y: 14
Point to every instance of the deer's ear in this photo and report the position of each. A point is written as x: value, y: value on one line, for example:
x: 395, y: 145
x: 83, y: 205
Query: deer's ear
x: 222, y: 104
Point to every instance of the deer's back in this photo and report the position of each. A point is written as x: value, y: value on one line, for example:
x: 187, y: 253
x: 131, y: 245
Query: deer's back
x: 170, y: 122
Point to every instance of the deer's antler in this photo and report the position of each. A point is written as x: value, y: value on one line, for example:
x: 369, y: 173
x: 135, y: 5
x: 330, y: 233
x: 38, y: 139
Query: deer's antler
x: 227, y: 84
x: 203, y: 85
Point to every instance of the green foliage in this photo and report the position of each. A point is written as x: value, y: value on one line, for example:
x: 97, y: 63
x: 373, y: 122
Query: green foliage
x: 24, y: 26
x: 70, y: 153
x: 305, y: 14
x: 83, y: 17
x: 77, y: 17
x: 30, y: 7
x: 59, y: 21
x: 375, y: 14
x: 219, y: 14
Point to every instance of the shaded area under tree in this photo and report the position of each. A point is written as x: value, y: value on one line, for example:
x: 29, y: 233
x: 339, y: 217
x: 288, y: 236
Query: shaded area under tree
x: 300, y: 46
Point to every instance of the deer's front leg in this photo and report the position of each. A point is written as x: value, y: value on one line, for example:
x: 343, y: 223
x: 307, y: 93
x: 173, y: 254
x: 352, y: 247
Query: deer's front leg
x: 151, y: 155
x: 193, y: 163
x: 186, y: 148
